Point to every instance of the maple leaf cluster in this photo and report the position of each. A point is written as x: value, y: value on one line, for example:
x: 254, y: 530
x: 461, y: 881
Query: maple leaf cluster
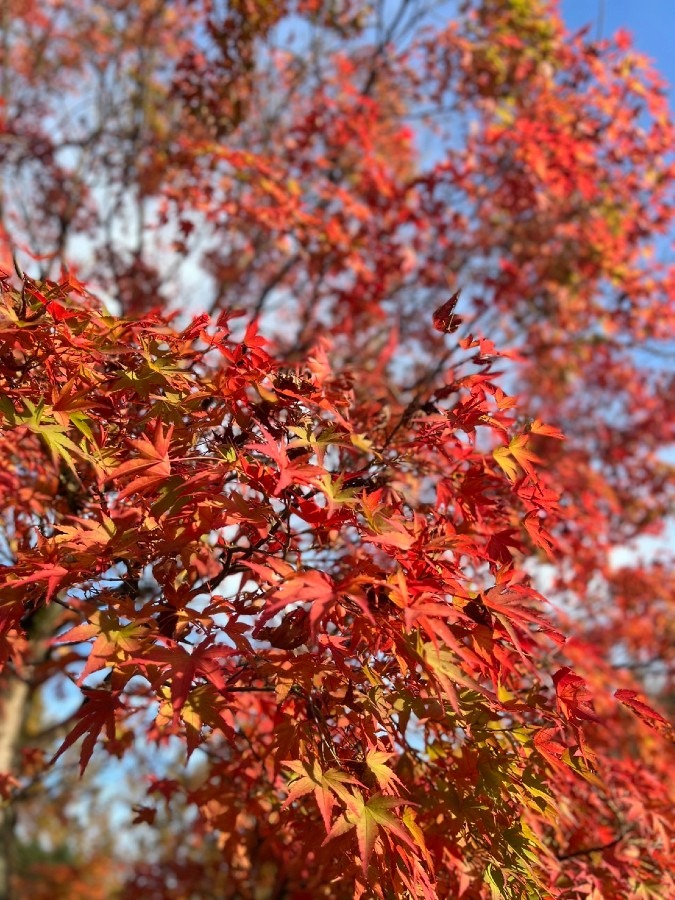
x: 305, y: 540
x: 333, y: 617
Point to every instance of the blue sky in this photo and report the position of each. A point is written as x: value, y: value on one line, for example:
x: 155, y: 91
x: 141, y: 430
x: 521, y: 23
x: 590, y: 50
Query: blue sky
x: 651, y: 22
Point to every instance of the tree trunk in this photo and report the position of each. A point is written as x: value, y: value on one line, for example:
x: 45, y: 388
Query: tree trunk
x: 15, y: 702
x: 14, y: 697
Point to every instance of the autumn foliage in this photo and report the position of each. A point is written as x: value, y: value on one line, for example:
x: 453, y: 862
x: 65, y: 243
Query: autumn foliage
x: 335, y: 401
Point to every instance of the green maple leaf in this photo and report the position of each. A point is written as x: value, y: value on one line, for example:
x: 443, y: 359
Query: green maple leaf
x: 376, y: 760
x: 60, y: 445
x: 367, y: 818
x: 54, y: 435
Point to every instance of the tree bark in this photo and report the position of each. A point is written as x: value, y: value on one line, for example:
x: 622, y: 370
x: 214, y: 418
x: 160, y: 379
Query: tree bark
x: 14, y: 697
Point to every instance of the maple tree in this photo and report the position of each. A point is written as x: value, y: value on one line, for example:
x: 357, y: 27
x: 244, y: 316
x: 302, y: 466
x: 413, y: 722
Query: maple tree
x: 335, y: 508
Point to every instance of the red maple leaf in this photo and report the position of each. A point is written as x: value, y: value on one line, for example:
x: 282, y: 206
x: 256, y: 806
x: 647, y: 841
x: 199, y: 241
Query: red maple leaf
x: 444, y: 317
